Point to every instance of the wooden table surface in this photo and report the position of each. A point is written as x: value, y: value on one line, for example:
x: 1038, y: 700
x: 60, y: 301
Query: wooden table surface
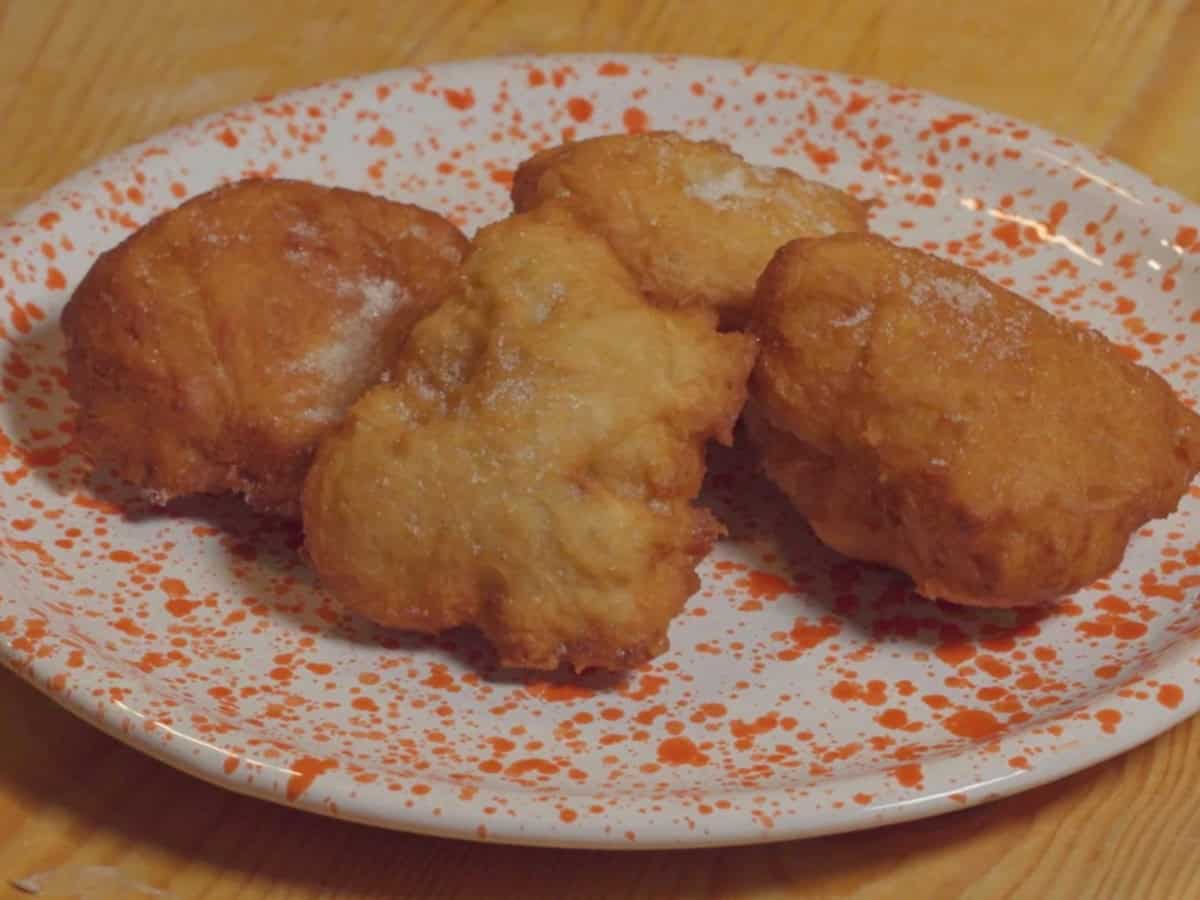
x: 80, y: 79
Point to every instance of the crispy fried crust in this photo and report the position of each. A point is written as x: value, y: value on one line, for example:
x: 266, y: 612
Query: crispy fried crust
x: 692, y: 220
x: 531, y: 469
x: 211, y: 349
x: 923, y: 417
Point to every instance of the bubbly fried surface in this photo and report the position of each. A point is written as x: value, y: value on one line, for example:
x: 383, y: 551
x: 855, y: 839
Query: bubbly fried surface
x: 212, y: 349
x: 923, y: 417
x: 531, y: 468
x: 692, y: 220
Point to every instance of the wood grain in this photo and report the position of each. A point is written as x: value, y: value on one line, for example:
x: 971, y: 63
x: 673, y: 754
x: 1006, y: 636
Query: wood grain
x: 81, y: 79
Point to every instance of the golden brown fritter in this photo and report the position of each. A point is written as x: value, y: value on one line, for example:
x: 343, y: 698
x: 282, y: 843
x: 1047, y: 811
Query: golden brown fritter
x: 693, y: 221
x: 923, y: 417
x: 531, y: 468
x: 214, y: 347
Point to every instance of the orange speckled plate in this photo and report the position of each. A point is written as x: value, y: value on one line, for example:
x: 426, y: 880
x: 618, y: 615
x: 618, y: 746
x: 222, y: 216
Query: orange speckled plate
x: 804, y: 694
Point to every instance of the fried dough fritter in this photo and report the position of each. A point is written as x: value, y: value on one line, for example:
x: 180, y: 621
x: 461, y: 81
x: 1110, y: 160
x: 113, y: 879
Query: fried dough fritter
x: 213, y: 348
x: 923, y: 417
x: 693, y: 221
x: 530, y: 470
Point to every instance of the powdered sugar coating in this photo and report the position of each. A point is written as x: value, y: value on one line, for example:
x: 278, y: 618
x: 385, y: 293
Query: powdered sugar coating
x: 355, y: 333
x: 732, y: 187
x: 962, y: 296
x: 857, y: 317
x: 804, y: 694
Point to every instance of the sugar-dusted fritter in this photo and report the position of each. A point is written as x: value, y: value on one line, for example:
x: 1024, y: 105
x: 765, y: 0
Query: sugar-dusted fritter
x: 212, y: 349
x: 531, y: 468
x: 921, y: 416
x: 693, y: 221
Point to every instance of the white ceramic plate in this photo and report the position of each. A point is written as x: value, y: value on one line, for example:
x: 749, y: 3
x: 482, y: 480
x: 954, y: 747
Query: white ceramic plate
x: 804, y: 694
